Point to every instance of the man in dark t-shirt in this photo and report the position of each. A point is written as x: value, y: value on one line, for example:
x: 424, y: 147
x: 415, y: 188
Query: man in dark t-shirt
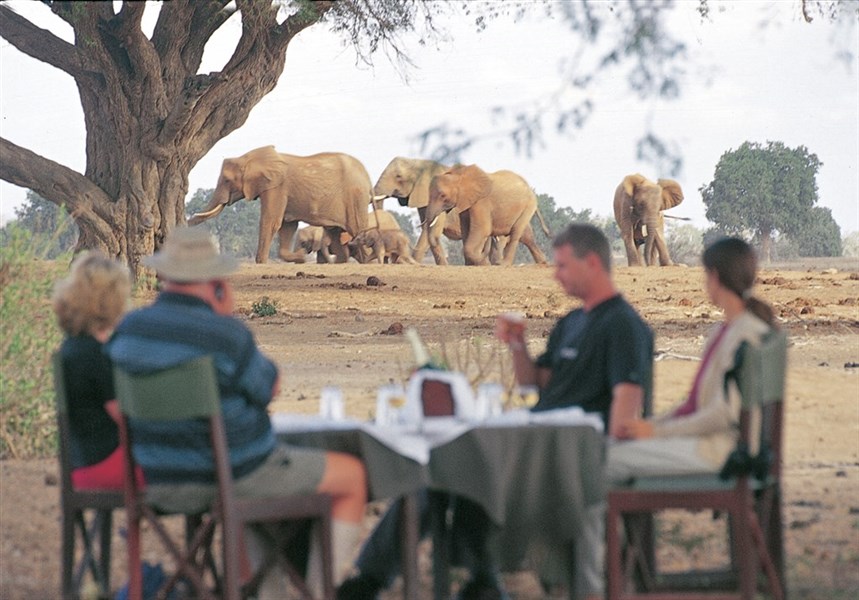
x: 598, y: 357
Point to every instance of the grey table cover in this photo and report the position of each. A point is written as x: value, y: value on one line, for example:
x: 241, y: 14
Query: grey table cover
x: 534, y: 481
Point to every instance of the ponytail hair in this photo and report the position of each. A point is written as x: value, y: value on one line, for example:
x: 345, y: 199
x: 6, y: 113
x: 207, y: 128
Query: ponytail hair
x: 735, y: 264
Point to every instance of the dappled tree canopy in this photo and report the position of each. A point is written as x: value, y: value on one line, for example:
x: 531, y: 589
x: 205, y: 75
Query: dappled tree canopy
x: 763, y: 189
x: 151, y: 115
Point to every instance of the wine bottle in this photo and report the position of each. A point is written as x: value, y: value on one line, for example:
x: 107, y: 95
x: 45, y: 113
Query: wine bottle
x: 423, y: 360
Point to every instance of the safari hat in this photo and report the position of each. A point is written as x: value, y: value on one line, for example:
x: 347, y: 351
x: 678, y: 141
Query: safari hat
x: 191, y: 254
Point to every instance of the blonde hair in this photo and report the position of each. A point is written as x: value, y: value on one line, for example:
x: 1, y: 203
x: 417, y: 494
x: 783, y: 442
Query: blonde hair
x: 94, y: 296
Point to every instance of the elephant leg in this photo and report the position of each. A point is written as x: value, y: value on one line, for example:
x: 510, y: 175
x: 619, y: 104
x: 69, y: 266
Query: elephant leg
x: 662, y: 248
x: 338, y: 250
x: 266, y: 235
x: 423, y: 240
x: 632, y: 255
x: 322, y: 255
x: 434, y: 237
x: 475, y: 249
x: 436, y: 247
x: 285, y: 234
x: 516, y: 233
x: 534, y: 248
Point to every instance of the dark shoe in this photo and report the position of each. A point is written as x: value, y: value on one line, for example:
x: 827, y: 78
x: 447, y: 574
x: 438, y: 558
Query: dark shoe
x: 481, y: 590
x: 360, y: 587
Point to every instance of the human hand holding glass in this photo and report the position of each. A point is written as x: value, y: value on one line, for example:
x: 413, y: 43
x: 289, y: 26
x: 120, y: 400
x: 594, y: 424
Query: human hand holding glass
x: 510, y: 328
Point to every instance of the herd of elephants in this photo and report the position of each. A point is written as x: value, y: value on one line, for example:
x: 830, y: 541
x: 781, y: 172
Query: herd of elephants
x: 489, y: 212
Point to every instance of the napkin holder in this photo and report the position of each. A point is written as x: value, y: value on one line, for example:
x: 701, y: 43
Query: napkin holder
x: 432, y: 393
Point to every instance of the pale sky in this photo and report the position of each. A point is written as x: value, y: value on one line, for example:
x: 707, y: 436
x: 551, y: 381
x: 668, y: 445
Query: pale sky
x: 782, y: 83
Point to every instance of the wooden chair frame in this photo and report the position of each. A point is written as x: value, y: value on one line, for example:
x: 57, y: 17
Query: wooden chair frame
x: 190, y: 391
x: 96, y: 531
x: 751, y: 496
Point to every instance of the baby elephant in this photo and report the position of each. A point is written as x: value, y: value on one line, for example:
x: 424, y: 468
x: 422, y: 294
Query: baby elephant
x: 314, y: 239
x: 386, y: 245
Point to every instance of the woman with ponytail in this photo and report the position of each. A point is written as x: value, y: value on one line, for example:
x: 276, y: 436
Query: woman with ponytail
x: 697, y: 435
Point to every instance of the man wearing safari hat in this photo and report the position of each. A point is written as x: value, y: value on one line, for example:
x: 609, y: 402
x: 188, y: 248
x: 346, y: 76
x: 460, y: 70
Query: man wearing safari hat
x: 192, y: 317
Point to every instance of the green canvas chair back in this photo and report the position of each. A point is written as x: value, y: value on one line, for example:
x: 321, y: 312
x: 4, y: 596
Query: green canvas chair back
x: 761, y: 373
x: 185, y: 392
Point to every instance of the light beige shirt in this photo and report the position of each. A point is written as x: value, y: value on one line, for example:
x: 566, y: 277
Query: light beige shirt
x: 716, y: 418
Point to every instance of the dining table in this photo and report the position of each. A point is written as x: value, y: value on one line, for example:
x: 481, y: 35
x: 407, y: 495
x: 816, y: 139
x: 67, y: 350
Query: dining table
x: 533, y: 473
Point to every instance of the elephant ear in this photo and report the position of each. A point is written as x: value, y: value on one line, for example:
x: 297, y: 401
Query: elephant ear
x: 672, y: 195
x: 630, y: 182
x: 264, y: 169
x: 473, y: 184
x: 420, y: 190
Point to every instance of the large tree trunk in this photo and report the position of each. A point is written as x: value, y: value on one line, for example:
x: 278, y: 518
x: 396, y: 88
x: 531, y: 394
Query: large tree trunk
x: 149, y: 116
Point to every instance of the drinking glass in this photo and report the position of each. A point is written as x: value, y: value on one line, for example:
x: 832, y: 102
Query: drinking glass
x: 390, y: 402
x: 488, y: 401
x: 331, y: 404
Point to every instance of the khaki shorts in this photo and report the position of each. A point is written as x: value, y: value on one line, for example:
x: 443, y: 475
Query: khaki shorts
x: 287, y: 470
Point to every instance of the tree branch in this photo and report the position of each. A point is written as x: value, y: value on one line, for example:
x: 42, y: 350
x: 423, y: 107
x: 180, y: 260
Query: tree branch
x: 39, y: 43
x: 51, y: 180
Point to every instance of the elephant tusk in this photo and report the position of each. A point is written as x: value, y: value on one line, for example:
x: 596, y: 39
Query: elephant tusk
x: 434, y: 221
x: 678, y: 218
x: 380, y: 197
x: 202, y: 216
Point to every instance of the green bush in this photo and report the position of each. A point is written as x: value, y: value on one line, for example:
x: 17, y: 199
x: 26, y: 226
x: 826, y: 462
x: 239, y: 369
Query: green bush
x: 28, y: 336
x: 264, y: 307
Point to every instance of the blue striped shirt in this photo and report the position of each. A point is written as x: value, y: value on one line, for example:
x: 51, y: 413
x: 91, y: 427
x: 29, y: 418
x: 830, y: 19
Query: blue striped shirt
x: 175, y: 329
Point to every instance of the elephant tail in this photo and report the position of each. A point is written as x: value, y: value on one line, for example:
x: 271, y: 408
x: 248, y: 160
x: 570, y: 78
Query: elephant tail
x: 546, y: 230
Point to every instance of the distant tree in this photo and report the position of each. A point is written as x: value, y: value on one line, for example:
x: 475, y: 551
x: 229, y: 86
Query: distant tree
x: 764, y: 189
x: 850, y: 245
x: 52, y: 229
x: 686, y: 242
x: 820, y: 236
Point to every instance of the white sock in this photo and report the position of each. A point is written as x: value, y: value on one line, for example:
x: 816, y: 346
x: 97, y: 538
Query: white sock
x: 345, y: 539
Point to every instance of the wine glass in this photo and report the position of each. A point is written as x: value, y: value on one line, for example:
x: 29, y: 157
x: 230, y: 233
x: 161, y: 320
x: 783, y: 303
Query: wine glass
x: 488, y: 400
x: 526, y: 396
x: 331, y: 403
x: 390, y: 401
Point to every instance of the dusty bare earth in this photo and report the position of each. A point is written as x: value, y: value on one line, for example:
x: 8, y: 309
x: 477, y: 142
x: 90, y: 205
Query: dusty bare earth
x: 329, y: 330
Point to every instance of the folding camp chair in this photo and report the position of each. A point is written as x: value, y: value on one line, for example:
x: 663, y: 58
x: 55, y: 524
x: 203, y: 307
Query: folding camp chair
x: 748, y: 490
x: 190, y: 391
x: 95, y: 532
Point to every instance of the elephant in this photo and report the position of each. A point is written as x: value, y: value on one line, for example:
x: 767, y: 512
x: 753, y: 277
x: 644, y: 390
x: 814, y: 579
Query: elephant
x: 488, y: 204
x: 383, y: 245
x: 408, y: 180
x: 313, y: 238
x: 638, y: 206
x: 330, y: 189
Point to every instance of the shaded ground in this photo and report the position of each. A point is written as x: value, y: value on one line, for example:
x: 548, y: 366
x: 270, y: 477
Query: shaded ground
x: 328, y: 330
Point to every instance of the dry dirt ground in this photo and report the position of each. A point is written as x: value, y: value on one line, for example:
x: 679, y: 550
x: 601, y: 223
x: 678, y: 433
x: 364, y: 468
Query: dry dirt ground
x: 329, y: 330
